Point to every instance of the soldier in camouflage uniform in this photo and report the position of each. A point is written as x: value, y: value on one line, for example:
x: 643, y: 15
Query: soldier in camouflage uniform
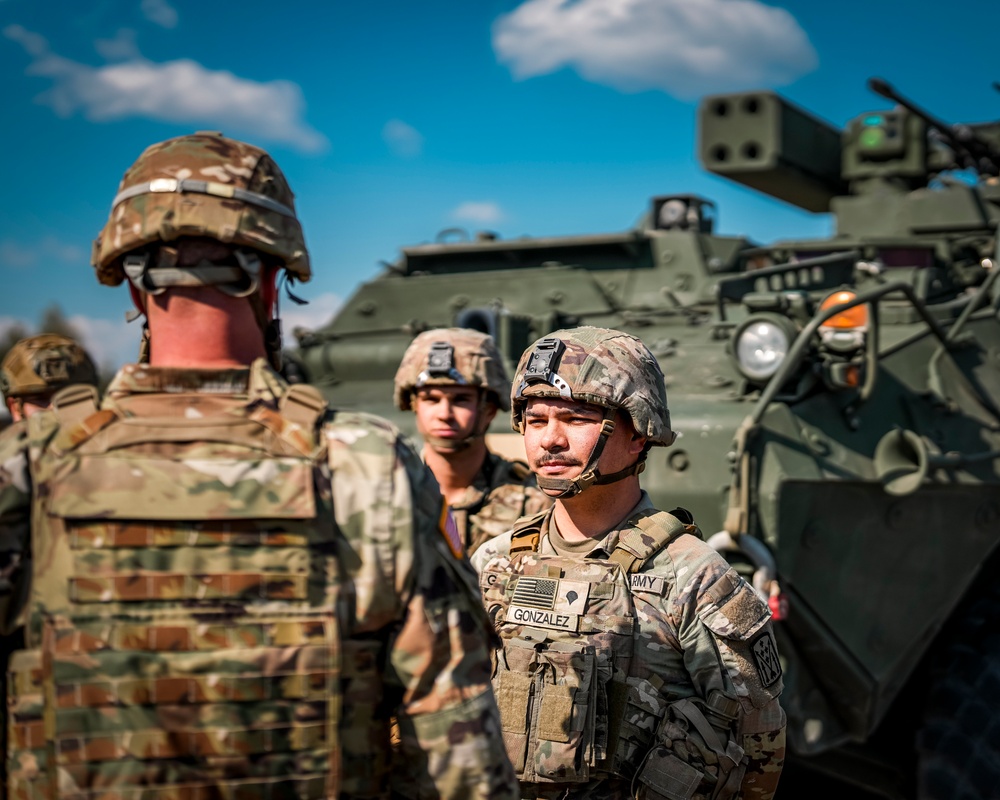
x: 454, y: 381
x: 33, y: 370
x: 37, y: 367
x: 228, y: 587
x: 635, y: 662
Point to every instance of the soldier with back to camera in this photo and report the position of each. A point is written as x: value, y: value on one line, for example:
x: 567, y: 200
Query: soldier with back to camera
x: 454, y: 381
x: 227, y: 587
x: 634, y: 661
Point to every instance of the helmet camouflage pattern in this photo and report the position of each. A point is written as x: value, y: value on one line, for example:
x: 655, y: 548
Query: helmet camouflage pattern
x: 41, y: 365
x: 596, y: 365
x: 202, y: 185
x: 451, y: 357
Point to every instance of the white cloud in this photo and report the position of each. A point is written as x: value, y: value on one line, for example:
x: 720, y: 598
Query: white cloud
x: 18, y: 255
x: 160, y: 12
x: 404, y: 140
x: 683, y: 47
x: 181, y: 91
x: 315, y: 315
x: 121, y: 48
x: 484, y: 212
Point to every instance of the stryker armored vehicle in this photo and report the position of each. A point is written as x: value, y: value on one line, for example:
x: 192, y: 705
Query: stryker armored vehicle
x: 837, y: 400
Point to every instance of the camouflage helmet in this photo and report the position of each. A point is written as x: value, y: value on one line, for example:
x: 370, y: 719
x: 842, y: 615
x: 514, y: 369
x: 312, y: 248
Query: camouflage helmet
x: 451, y: 357
x: 41, y: 365
x: 596, y: 365
x: 202, y: 185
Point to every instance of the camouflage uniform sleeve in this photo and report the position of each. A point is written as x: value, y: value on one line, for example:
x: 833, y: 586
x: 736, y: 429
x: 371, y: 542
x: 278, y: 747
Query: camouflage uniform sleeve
x: 15, y: 525
x: 729, y: 647
x: 450, y: 735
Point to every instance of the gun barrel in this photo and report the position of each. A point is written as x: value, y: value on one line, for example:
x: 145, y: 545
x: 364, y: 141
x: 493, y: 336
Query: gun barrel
x: 885, y: 89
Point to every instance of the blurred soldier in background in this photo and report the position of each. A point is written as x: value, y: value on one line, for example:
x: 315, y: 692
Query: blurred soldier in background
x: 36, y: 368
x: 454, y: 381
x: 33, y: 370
x: 229, y: 588
x: 636, y: 663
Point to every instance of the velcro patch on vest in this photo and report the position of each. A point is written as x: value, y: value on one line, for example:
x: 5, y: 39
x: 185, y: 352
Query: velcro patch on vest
x: 642, y: 582
x: 765, y: 655
x: 541, y: 618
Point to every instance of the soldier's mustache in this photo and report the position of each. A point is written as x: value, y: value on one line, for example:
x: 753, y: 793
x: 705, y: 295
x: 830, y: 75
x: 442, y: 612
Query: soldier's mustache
x: 554, y: 458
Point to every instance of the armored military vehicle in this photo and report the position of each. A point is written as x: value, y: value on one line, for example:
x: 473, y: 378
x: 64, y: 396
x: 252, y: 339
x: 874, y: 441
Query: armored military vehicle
x: 838, y: 404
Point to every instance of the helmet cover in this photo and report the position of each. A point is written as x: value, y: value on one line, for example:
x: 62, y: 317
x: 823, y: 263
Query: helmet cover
x: 41, y: 365
x: 202, y: 185
x: 601, y: 366
x: 451, y: 357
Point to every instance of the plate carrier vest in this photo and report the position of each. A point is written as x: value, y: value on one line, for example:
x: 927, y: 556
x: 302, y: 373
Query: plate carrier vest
x: 192, y: 652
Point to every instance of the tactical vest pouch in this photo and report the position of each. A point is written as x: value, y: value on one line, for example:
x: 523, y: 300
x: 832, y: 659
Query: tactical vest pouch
x: 690, y: 757
x: 549, y: 711
x: 644, y: 707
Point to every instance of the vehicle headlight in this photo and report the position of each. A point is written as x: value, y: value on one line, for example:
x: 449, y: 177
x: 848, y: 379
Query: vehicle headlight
x: 760, y: 346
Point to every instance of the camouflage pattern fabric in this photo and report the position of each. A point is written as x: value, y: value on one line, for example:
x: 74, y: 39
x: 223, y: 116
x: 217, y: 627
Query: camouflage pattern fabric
x: 501, y: 492
x: 41, y: 365
x: 605, y: 367
x: 218, y: 169
x: 703, y: 648
x: 474, y: 361
x: 230, y: 590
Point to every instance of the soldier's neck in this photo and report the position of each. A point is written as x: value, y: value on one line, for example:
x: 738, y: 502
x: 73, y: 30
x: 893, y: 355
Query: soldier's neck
x: 455, y: 470
x: 596, y: 510
x: 202, y: 329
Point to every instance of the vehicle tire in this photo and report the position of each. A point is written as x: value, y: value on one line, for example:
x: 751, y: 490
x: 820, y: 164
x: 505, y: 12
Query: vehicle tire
x: 958, y: 744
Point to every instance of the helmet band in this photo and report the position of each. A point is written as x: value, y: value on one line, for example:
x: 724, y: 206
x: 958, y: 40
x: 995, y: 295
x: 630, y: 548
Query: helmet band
x: 175, y: 186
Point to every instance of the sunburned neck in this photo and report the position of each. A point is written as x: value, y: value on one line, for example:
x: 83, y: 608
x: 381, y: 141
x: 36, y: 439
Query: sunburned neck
x: 455, y: 470
x: 593, y: 512
x: 202, y: 329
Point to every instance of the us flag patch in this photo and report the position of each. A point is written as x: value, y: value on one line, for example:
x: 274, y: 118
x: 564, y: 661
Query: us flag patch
x: 450, y: 532
x: 535, y: 592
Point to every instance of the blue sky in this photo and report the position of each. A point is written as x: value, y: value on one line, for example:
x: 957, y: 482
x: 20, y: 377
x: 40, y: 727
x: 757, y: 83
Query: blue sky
x: 395, y: 119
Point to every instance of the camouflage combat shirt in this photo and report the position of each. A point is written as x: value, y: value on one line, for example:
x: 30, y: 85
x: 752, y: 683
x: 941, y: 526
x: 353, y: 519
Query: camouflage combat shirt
x: 371, y: 564
x: 501, y: 492
x: 685, y: 646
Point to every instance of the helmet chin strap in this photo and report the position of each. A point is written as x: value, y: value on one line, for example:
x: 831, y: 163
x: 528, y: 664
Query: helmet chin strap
x: 591, y: 475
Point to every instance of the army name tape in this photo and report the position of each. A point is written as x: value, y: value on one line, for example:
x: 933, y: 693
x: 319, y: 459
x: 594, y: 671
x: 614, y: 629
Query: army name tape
x: 173, y: 185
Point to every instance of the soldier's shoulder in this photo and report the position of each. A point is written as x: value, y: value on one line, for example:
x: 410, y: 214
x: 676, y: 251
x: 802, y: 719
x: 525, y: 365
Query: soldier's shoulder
x: 14, y: 437
x: 687, y: 555
x: 366, y: 436
x: 497, y: 547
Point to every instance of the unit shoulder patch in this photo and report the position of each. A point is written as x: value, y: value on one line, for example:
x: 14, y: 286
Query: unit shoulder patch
x: 765, y: 656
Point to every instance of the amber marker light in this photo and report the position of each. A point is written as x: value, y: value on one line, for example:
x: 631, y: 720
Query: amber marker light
x: 853, y: 319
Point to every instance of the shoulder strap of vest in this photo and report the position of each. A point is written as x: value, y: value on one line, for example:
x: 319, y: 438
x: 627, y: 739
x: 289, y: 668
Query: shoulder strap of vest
x: 76, y: 409
x: 651, y: 531
x: 527, y: 532
x: 304, y: 405
x: 74, y: 404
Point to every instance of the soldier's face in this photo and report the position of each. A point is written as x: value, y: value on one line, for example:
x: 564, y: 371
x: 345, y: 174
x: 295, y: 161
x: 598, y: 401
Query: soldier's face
x: 27, y: 407
x: 560, y: 435
x: 449, y: 412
